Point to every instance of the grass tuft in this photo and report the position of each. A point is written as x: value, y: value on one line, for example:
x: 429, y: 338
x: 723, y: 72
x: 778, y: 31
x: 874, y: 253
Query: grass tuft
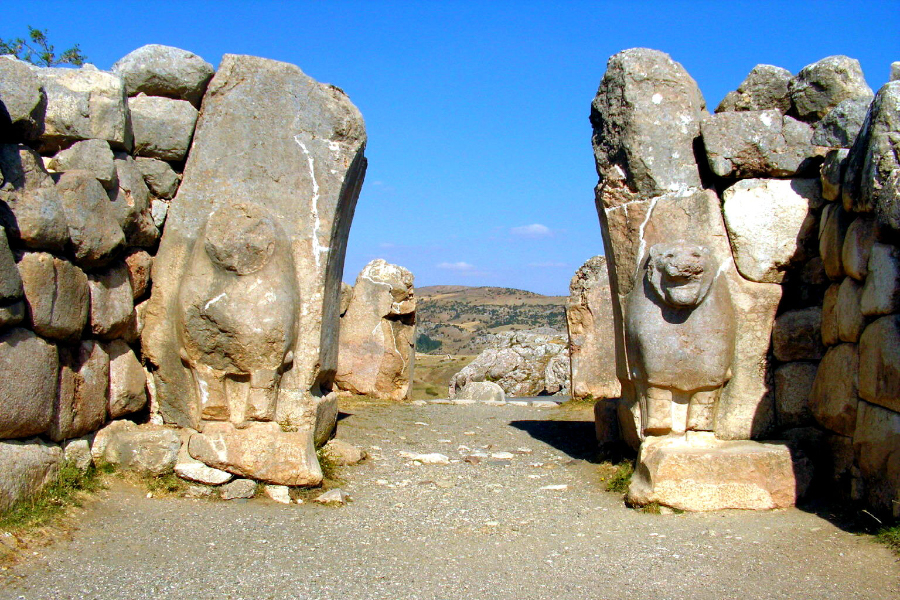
x: 620, y: 478
x: 890, y: 536
x: 66, y: 491
x: 167, y: 484
x: 651, y: 509
x: 329, y: 466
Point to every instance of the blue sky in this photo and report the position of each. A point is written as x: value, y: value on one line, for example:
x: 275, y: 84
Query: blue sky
x: 480, y: 164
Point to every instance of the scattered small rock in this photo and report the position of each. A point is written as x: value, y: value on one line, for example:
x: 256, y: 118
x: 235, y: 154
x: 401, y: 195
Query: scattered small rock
x: 279, y: 493
x: 343, y: 453
x: 434, y: 458
x: 199, y: 491
x: 502, y: 455
x: 335, y: 496
x: 557, y: 488
x: 239, y: 488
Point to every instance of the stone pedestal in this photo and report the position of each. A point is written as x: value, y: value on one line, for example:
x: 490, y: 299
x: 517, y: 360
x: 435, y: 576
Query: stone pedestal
x: 697, y: 472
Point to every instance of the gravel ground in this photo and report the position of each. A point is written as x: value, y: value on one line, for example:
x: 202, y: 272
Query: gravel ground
x: 450, y: 531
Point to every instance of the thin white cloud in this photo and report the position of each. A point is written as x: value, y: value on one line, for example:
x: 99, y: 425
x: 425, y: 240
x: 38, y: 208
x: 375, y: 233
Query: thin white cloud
x: 535, y: 230
x: 548, y: 264
x: 387, y: 245
x: 457, y: 266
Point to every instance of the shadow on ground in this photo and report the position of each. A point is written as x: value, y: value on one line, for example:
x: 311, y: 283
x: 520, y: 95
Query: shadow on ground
x: 575, y: 438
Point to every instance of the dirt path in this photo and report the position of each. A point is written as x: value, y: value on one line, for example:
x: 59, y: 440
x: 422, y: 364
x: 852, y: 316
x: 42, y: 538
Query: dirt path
x: 451, y: 531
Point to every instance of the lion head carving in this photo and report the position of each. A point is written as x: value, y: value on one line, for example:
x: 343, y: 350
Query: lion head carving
x: 681, y: 273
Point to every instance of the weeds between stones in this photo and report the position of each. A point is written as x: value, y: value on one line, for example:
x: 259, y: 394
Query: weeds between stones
x: 69, y: 489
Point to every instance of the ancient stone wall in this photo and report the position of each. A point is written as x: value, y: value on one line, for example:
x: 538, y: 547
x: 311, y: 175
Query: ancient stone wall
x: 787, y: 198
x: 236, y: 327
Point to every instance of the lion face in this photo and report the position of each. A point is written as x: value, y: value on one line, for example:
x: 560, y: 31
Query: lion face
x: 681, y: 273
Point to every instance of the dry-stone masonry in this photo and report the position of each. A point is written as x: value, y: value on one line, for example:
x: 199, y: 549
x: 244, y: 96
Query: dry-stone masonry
x: 218, y: 338
x: 755, y: 277
x: 378, y: 331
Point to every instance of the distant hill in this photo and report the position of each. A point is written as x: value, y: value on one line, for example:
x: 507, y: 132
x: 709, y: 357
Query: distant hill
x: 451, y: 318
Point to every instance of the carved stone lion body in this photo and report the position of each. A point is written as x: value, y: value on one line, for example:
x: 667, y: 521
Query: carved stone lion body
x: 680, y: 336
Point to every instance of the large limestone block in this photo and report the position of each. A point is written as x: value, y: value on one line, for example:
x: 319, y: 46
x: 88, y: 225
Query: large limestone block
x: 870, y: 179
x: 881, y: 292
x: 832, y: 173
x: 22, y: 101
x: 746, y: 407
x: 833, y: 226
x: 765, y: 87
x: 829, y: 316
x: 145, y: 449
x: 858, y: 247
x: 261, y: 451
x: 160, y: 177
x: 127, y: 381
x: 757, y: 144
x: 94, y: 156
x: 158, y: 70
x: 10, y: 280
x: 25, y: 468
x: 592, y: 349
x: 834, y: 394
x: 769, y: 222
x: 30, y: 206
x: 876, y: 445
x: 84, y: 104
x: 57, y: 295
x: 706, y: 474
x: 192, y: 469
x: 879, y: 363
x: 793, y: 384
x: 80, y: 407
x: 646, y: 116
x: 131, y: 203
x: 94, y: 232
x: 482, y: 391
x: 840, y: 127
x: 378, y: 333
x: 163, y: 127
x: 895, y: 71
x: 112, y: 304
x: 821, y: 86
x: 26, y: 400
x: 299, y: 191
x: 797, y: 335
x: 850, y: 321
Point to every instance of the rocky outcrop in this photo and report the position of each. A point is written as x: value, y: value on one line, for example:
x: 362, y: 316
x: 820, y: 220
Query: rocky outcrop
x: 592, y: 350
x: 378, y: 333
x: 522, y: 363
